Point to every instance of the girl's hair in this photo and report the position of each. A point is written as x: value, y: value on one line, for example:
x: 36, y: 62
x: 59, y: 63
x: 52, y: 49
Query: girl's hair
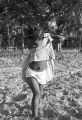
x: 36, y: 33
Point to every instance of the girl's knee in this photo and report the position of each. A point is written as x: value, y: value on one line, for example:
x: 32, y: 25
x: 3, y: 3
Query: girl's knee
x: 37, y: 93
x: 34, y: 86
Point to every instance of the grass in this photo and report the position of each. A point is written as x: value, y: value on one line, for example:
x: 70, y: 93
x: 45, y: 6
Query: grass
x: 61, y: 97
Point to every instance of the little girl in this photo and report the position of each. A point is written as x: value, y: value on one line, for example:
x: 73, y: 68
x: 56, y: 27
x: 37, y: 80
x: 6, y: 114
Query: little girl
x: 38, y: 68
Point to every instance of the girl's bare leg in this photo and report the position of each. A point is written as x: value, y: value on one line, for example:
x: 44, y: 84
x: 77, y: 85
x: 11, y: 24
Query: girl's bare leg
x: 41, y: 88
x: 36, y: 89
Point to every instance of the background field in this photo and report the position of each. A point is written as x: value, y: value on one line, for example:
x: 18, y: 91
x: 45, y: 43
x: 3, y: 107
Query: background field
x: 61, y: 97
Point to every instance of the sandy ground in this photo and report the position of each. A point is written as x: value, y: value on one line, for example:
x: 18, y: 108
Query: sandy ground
x: 61, y: 97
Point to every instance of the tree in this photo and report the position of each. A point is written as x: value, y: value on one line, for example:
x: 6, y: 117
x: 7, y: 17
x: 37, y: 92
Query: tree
x: 32, y: 12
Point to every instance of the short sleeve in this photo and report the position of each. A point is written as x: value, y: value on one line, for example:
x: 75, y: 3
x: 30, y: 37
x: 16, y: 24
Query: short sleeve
x: 48, y: 36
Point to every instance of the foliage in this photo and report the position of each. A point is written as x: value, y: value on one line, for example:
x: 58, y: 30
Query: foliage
x: 21, y: 13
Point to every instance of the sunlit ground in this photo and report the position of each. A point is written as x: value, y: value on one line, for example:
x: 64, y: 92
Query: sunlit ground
x: 61, y: 97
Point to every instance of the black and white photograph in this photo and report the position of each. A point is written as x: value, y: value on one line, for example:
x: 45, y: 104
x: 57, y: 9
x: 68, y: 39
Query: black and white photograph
x: 40, y: 59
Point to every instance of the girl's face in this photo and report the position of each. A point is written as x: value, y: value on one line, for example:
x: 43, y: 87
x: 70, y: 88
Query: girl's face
x: 35, y: 44
x: 38, y: 42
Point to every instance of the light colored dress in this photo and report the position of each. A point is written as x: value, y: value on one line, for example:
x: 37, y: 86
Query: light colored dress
x: 43, y: 52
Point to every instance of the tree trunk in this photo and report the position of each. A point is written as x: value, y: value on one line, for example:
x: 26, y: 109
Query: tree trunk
x: 22, y: 44
x: 80, y: 43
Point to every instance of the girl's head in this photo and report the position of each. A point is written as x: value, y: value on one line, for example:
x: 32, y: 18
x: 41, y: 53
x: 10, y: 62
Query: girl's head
x: 36, y: 35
